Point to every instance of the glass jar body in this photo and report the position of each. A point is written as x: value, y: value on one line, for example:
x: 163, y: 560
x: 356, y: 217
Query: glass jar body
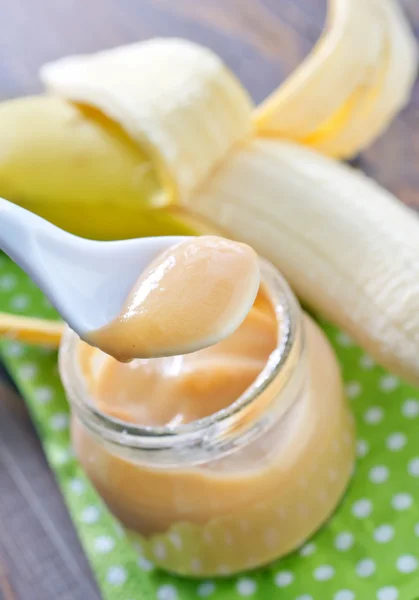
x: 243, y: 508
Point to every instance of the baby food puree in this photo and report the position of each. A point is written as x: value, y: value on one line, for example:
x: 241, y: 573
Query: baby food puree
x: 190, y: 297
x: 226, y: 458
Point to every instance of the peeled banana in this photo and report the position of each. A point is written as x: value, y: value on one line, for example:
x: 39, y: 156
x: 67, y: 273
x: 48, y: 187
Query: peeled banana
x: 347, y: 246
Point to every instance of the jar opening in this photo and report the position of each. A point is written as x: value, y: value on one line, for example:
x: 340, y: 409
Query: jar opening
x: 224, y: 427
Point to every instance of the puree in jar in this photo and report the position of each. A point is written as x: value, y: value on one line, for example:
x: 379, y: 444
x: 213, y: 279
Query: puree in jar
x: 237, y: 510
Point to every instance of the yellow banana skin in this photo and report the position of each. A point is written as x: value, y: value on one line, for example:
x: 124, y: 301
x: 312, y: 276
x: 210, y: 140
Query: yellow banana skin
x: 80, y: 170
x: 31, y: 331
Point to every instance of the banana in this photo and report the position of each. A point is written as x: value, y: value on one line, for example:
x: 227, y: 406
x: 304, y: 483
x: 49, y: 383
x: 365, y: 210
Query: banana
x: 346, y: 245
x: 80, y: 170
x: 31, y: 330
x: 173, y: 97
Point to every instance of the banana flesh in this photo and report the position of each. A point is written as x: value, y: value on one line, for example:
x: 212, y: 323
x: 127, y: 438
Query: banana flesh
x: 346, y: 245
x: 173, y: 97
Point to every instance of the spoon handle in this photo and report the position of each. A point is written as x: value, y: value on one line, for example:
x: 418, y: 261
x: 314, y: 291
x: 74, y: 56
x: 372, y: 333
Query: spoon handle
x: 18, y: 229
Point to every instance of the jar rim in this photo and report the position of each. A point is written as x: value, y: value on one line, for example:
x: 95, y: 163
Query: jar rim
x: 213, y: 427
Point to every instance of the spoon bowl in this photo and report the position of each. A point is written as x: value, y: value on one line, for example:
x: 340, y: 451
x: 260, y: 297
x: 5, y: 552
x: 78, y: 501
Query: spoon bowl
x: 87, y: 281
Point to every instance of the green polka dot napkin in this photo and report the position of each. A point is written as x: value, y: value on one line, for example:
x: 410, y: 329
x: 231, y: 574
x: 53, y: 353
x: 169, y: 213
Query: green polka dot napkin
x: 369, y: 550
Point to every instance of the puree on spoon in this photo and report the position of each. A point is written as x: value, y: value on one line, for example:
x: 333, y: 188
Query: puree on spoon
x: 190, y: 297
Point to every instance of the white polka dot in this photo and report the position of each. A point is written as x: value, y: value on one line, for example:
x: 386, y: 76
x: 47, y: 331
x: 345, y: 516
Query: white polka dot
x: 344, y: 340
x: 90, y: 515
x: 144, y: 564
x: 59, y: 421
x: 407, y: 563
x: 388, y: 593
x: 410, y: 408
x: 378, y: 474
x: 77, y: 486
x: 28, y: 371
x: 304, y: 597
x: 43, y: 394
x: 353, y: 389
x: 176, y: 540
x: 396, y: 441
x: 384, y: 533
x: 344, y: 541
x: 20, y: 302
x: 413, y: 467
x: 417, y: 529
x: 362, y: 448
x: 344, y: 595
x: 159, y: 550
x: 366, y: 362
x: 167, y: 592
x: 308, y: 549
x: 246, y: 586
x: 15, y: 349
x: 104, y: 544
x: 7, y: 282
x: 374, y: 415
x: 324, y: 573
x: 388, y: 383
x: 284, y: 579
x: 402, y: 501
x: 61, y: 456
x: 205, y: 589
x: 365, y: 567
x: 116, y: 575
x: 362, y: 508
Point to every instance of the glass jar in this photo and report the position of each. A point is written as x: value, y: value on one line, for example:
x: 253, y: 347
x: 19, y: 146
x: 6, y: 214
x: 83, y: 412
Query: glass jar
x: 241, y: 487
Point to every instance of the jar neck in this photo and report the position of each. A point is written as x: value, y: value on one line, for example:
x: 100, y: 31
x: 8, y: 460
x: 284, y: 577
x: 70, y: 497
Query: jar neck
x: 267, y: 400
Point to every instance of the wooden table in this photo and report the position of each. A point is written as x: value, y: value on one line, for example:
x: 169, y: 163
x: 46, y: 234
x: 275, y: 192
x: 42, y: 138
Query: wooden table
x: 262, y: 41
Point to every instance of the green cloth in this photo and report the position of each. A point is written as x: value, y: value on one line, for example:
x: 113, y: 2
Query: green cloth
x: 369, y: 550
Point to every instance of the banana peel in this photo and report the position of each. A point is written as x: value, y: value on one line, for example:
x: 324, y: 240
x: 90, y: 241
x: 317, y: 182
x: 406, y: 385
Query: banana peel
x: 347, y: 246
x: 75, y: 167
x: 31, y: 330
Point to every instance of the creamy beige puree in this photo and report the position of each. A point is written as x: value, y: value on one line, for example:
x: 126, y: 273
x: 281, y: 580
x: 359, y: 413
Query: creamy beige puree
x: 261, y: 498
x: 192, y: 296
x: 180, y: 389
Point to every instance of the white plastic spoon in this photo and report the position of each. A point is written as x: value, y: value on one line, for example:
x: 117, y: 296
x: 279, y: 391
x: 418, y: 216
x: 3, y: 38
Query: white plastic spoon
x: 89, y: 281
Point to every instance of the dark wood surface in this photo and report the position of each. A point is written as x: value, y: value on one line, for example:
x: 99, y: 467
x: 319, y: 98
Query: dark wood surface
x: 262, y: 41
